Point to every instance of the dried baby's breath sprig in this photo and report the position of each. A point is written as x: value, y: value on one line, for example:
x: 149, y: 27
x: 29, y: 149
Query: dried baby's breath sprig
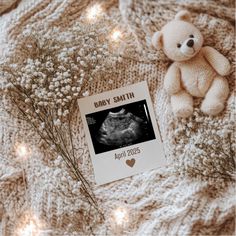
x: 209, y: 146
x: 45, y: 75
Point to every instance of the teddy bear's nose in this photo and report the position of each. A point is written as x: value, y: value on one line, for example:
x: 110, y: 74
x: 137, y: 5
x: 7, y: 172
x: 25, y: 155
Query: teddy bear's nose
x: 190, y: 43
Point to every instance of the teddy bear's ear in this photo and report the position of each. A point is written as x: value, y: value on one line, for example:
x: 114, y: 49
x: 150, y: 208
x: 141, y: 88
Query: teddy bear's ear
x: 157, y: 40
x: 183, y: 15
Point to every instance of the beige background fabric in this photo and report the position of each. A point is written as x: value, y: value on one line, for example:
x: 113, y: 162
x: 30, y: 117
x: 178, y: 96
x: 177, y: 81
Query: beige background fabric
x: 182, y: 199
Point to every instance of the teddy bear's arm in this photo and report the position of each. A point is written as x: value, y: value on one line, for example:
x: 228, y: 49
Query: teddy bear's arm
x: 172, y: 80
x: 219, y: 62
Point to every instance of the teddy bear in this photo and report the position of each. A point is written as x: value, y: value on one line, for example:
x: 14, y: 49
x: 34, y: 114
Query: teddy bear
x: 196, y: 71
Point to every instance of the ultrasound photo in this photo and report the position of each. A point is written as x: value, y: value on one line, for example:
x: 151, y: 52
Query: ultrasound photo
x: 120, y: 126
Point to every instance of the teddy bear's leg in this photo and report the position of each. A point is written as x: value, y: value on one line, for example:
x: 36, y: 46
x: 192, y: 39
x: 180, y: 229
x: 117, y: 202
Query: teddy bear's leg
x: 182, y: 104
x: 216, y: 96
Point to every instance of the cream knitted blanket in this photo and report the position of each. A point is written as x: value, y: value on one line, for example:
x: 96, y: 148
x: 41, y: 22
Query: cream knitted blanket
x: 193, y: 196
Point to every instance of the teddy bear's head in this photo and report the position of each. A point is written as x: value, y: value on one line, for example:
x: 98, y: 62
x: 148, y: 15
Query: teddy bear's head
x: 179, y: 39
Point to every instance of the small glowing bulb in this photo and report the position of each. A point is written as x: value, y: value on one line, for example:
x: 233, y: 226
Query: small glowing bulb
x: 120, y: 215
x: 94, y: 12
x: 22, y: 150
x: 116, y: 35
x: 29, y: 230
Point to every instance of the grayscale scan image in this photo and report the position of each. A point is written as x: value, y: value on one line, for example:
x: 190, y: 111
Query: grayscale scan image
x: 120, y: 126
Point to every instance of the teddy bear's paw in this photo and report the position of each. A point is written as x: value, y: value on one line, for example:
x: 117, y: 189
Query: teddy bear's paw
x: 212, y: 108
x: 184, y: 112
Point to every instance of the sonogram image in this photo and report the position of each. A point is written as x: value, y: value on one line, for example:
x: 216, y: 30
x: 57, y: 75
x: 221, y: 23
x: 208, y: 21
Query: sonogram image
x: 120, y: 126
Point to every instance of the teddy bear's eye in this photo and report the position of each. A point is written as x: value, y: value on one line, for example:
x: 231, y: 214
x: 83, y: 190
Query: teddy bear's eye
x: 178, y: 45
x: 191, y: 36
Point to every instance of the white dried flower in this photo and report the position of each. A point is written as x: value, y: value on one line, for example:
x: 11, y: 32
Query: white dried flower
x: 27, y: 100
x: 203, y: 146
x: 86, y: 93
x: 57, y: 122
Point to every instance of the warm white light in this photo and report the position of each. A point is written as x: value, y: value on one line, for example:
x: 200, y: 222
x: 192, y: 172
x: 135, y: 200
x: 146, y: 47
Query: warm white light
x: 94, y: 12
x: 116, y: 35
x: 22, y: 151
x: 31, y: 229
x: 121, y: 216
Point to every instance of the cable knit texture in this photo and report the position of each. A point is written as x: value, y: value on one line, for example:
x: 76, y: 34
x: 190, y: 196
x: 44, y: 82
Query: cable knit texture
x: 7, y: 5
x: 194, y: 195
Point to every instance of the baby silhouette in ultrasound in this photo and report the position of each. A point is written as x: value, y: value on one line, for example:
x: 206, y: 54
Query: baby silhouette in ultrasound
x: 120, y: 128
